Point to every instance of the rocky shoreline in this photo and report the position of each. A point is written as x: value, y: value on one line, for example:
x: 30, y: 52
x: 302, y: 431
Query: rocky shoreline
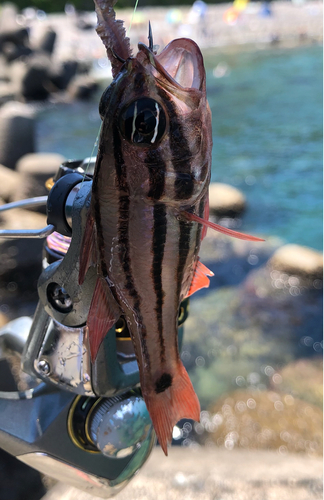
x: 258, y: 329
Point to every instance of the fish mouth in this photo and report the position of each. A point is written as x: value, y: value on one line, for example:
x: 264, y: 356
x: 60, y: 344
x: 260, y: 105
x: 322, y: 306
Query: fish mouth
x: 180, y: 63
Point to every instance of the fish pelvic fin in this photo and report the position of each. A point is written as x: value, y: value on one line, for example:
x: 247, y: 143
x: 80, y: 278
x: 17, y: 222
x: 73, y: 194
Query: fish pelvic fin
x: 103, y: 314
x: 200, y: 278
x: 88, y: 255
x: 220, y: 229
x: 167, y: 406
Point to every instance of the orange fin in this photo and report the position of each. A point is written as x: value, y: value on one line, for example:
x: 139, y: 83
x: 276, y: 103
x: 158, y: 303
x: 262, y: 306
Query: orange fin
x: 88, y: 249
x: 166, y: 408
x: 103, y: 314
x: 220, y: 229
x: 199, y: 279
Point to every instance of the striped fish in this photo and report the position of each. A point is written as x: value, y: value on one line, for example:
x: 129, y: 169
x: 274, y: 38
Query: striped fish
x: 149, y: 210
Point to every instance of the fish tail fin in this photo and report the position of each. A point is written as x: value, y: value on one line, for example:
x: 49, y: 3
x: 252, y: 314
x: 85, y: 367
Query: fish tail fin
x: 167, y: 406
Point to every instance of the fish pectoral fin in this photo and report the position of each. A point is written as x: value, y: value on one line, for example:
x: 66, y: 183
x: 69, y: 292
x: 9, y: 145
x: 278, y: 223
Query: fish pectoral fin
x: 168, y: 406
x: 200, y: 279
x: 103, y: 314
x: 220, y: 229
x: 88, y: 256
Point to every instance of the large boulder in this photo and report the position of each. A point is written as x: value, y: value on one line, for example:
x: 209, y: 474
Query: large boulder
x: 17, y: 132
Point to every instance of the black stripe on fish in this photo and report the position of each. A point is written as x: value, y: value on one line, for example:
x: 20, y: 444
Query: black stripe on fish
x: 184, y: 182
x: 163, y: 383
x: 119, y: 161
x: 157, y: 169
x: 183, y: 251
x: 158, y: 245
x: 97, y: 213
x: 124, y: 257
x: 123, y: 239
x: 199, y: 228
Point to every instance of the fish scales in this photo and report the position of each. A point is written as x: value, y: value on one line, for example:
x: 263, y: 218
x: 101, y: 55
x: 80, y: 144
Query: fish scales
x: 152, y: 173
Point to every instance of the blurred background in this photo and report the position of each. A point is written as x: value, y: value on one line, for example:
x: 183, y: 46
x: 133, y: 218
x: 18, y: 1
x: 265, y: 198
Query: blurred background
x: 253, y: 340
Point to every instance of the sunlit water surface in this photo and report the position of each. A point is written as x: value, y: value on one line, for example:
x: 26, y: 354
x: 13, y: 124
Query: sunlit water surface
x: 267, y: 133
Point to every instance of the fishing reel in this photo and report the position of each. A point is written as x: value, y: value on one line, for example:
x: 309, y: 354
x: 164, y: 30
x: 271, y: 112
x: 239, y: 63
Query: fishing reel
x: 84, y: 423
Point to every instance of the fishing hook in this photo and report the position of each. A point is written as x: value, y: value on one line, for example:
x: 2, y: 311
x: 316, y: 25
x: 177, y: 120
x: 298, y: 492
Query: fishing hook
x: 150, y: 37
x: 116, y: 56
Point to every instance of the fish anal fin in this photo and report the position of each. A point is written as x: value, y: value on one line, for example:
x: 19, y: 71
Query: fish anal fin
x: 88, y: 249
x: 220, y: 229
x: 200, y: 279
x: 103, y: 314
x: 166, y: 408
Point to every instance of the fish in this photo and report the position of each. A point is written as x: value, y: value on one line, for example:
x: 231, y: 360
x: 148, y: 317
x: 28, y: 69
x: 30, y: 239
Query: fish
x: 149, y: 210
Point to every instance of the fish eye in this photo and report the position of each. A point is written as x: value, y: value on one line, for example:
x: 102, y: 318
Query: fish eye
x: 143, y: 122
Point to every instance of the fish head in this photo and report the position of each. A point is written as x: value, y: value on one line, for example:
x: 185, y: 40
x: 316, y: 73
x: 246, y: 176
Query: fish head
x: 156, y: 114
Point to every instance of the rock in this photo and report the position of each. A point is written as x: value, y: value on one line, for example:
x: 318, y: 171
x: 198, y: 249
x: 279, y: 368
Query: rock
x: 17, y: 133
x: 303, y: 379
x: 225, y: 200
x: 82, y: 87
x: 62, y: 73
x: 9, y: 181
x: 20, y: 258
x: 30, y: 78
x: 6, y: 92
x: 35, y: 169
x: 267, y: 420
x: 214, y: 473
x: 12, y: 51
x: 298, y: 260
x: 8, y: 22
x: 46, y: 42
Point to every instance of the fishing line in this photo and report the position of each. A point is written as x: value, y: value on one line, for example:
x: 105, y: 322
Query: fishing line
x: 94, y: 147
x: 132, y: 19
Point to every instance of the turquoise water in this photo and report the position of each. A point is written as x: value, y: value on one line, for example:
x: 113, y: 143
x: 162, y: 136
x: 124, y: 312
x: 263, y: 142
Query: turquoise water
x: 267, y: 132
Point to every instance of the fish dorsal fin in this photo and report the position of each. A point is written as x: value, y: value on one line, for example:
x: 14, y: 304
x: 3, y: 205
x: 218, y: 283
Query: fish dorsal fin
x: 200, y: 279
x: 220, y: 229
x: 88, y: 256
x: 103, y: 314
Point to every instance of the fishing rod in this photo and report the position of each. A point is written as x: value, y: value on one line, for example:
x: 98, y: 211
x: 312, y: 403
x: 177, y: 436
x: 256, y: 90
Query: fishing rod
x: 79, y: 421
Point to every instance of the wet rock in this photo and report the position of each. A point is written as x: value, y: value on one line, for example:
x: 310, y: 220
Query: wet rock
x: 225, y: 200
x: 298, y: 260
x: 17, y: 133
x: 265, y: 420
x: 271, y: 319
x: 303, y: 379
x: 35, y: 169
x: 9, y: 182
x: 82, y: 87
x: 232, y: 259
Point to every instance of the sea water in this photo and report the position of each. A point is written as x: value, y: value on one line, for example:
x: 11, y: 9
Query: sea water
x: 267, y: 134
